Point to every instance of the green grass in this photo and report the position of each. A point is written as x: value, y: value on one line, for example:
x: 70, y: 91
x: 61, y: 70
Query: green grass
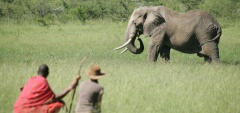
x: 185, y: 85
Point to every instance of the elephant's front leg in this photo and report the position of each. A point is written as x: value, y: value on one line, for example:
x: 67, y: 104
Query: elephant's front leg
x: 153, y: 53
x: 154, y: 49
x: 165, y: 53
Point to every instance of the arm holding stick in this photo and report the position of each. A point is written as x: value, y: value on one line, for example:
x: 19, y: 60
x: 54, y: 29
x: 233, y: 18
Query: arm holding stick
x: 69, y: 88
x: 72, y: 86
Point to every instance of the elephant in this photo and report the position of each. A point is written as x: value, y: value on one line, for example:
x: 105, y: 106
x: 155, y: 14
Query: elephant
x: 191, y: 32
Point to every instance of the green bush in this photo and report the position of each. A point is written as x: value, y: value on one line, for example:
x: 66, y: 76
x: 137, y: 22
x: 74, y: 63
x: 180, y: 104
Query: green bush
x: 223, y: 8
x: 63, y: 11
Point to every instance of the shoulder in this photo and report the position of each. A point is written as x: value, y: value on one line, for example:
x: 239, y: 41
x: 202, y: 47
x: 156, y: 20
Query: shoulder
x: 85, y: 82
x: 38, y: 81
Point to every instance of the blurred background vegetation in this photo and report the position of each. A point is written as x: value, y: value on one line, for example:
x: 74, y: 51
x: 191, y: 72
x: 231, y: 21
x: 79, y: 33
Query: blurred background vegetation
x: 50, y: 12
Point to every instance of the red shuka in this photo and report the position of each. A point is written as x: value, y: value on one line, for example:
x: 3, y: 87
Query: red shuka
x: 33, y: 96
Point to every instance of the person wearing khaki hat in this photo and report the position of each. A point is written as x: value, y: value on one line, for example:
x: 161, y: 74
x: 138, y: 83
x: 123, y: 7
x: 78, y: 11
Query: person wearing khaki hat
x: 90, y: 92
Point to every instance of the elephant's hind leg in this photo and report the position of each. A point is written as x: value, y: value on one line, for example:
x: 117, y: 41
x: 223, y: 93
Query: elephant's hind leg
x: 210, y: 52
x: 207, y: 59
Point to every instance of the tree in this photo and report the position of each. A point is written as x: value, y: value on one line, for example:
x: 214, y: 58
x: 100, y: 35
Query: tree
x: 223, y: 8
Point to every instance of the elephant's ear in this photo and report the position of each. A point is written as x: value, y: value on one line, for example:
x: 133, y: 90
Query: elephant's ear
x: 153, y: 21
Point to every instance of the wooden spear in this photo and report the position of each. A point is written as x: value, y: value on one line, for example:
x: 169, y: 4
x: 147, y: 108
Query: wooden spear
x: 78, y: 77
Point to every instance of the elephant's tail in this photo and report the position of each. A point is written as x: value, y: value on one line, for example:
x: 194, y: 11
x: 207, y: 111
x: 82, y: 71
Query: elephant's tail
x: 216, y: 38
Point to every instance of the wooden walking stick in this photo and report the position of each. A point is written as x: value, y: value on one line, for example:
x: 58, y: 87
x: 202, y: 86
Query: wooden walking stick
x: 78, y: 77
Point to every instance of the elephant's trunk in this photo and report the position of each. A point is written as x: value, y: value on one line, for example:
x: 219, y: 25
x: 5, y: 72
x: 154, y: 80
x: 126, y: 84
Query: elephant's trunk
x: 132, y: 33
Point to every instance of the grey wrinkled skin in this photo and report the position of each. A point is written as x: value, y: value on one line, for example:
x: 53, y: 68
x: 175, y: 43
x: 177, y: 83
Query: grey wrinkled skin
x: 192, y: 32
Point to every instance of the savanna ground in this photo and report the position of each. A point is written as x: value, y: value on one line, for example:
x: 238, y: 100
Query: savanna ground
x: 184, y: 85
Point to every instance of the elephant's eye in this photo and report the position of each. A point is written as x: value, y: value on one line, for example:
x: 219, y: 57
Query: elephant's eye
x: 134, y: 22
x: 156, y: 22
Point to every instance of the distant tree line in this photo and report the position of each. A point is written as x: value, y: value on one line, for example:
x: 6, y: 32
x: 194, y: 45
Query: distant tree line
x: 52, y: 11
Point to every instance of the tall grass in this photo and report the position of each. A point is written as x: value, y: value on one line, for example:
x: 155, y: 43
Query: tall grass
x: 184, y: 85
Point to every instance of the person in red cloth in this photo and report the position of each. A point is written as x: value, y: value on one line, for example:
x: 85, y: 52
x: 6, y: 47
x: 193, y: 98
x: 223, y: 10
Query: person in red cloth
x: 37, y: 96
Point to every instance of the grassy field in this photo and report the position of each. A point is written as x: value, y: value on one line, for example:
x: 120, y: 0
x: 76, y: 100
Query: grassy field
x: 184, y: 85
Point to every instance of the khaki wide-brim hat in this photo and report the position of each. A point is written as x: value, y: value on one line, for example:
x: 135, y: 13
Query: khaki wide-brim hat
x: 94, y: 72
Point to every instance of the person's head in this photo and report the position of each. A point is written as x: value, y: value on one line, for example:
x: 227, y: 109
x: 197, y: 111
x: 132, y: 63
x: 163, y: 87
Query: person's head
x: 43, y: 70
x: 94, y: 73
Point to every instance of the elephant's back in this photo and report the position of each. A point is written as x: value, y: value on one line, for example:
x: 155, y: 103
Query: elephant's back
x: 202, y: 16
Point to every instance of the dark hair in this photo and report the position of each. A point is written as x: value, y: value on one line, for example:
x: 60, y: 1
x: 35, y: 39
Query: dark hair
x: 43, y: 70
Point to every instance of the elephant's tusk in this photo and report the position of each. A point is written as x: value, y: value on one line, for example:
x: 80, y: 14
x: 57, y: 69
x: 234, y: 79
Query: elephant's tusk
x: 124, y: 51
x: 123, y: 44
